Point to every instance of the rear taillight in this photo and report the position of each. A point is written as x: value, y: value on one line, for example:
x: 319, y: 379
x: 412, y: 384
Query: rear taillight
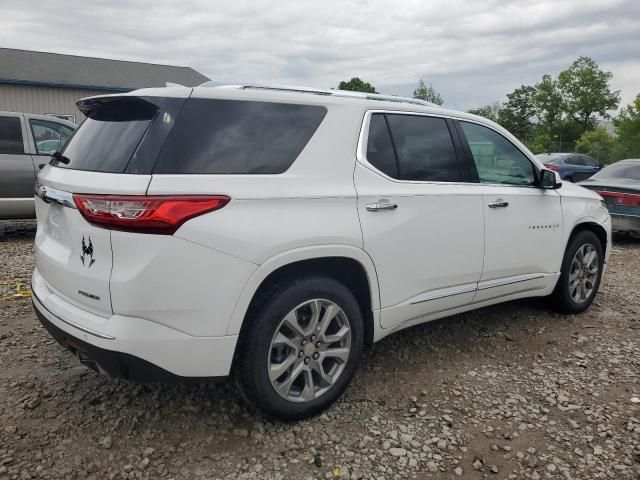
x: 159, y: 214
x: 619, y: 198
x: 551, y: 167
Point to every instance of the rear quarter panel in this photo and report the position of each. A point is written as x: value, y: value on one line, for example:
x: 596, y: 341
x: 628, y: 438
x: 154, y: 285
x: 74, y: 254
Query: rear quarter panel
x: 312, y: 203
x: 309, y: 211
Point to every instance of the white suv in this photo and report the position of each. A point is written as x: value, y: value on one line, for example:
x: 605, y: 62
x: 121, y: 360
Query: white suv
x: 273, y: 232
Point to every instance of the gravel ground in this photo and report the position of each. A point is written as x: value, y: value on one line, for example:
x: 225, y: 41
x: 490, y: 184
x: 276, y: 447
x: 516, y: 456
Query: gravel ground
x: 512, y: 391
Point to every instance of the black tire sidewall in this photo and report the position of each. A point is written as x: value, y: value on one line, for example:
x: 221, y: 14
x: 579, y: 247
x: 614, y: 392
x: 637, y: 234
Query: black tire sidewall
x: 254, y: 370
x: 563, y: 294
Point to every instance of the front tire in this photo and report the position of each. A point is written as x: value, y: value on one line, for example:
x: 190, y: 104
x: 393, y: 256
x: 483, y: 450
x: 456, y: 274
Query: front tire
x: 580, y: 274
x: 301, y: 348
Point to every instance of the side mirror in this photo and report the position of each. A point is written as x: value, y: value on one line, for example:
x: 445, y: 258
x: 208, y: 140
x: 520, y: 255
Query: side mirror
x: 550, y: 180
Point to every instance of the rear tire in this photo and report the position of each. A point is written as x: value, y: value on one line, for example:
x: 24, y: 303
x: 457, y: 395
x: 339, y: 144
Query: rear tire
x: 569, y: 179
x: 580, y: 274
x: 301, y: 349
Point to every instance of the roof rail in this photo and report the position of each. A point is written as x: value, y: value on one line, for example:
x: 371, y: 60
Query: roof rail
x: 318, y: 91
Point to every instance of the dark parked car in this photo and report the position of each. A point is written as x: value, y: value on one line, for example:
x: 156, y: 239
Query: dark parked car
x: 572, y: 167
x: 619, y: 185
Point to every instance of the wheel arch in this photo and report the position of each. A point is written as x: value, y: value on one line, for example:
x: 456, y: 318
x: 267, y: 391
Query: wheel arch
x: 349, y: 265
x: 591, y: 226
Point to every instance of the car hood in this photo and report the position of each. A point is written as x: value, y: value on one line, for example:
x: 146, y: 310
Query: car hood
x: 623, y: 183
x: 569, y: 189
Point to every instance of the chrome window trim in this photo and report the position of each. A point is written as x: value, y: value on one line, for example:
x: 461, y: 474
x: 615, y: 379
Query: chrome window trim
x: 363, y: 138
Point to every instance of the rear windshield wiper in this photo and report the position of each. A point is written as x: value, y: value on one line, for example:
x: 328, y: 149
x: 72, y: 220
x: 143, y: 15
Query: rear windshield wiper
x: 58, y: 157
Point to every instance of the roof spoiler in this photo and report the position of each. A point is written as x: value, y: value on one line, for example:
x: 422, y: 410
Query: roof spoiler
x: 117, y: 108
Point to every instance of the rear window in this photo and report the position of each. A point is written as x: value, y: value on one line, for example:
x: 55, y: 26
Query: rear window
x: 238, y: 137
x: 11, y: 136
x: 621, y: 170
x: 106, y: 140
x: 103, y: 146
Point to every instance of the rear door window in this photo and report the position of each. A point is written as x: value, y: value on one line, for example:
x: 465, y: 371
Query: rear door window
x: 587, y: 161
x: 238, y: 137
x: 422, y: 147
x: 380, y: 151
x: 11, y: 136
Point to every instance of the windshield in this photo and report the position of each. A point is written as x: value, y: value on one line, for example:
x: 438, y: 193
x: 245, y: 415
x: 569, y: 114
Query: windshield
x: 626, y: 170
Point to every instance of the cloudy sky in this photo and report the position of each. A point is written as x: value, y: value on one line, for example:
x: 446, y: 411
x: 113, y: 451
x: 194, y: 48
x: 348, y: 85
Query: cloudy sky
x: 472, y: 51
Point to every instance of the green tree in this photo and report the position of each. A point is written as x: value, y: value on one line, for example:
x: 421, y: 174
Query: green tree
x: 565, y: 135
x: 516, y: 114
x: 542, y: 142
x: 597, y: 143
x: 548, y: 104
x: 428, y: 93
x: 628, y: 130
x: 586, y: 92
x: 490, y: 111
x: 357, y: 85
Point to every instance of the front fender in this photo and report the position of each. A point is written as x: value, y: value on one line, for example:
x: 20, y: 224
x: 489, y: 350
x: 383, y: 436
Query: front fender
x: 296, y: 255
x: 577, y: 211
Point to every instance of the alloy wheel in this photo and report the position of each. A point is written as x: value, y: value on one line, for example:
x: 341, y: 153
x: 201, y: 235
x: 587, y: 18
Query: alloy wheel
x: 309, y: 350
x: 583, y: 273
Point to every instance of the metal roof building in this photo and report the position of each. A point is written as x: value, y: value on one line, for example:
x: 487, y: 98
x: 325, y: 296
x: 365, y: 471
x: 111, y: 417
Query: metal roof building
x: 51, y: 83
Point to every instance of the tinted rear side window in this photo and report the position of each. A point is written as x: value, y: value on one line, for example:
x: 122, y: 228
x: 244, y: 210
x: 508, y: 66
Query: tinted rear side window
x: 380, y: 152
x: 424, y: 147
x: 11, y: 136
x: 238, y: 137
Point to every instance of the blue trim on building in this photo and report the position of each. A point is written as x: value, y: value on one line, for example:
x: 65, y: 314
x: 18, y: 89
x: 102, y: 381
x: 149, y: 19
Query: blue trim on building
x: 66, y: 85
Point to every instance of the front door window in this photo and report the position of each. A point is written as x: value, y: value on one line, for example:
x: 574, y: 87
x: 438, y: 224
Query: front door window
x: 497, y: 160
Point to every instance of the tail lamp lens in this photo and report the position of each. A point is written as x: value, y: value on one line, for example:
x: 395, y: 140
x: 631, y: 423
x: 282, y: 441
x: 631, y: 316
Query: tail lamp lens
x: 159, y: 214
x: 619, y: 198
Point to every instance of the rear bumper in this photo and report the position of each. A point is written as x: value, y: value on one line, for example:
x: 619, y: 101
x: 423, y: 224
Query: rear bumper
x: 114, y: 364
x: 625, y: 223
x: 132, y: 348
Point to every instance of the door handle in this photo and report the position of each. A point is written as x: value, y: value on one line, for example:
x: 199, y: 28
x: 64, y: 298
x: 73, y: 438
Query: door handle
x: 381, y: 205
x: 499, y: 203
